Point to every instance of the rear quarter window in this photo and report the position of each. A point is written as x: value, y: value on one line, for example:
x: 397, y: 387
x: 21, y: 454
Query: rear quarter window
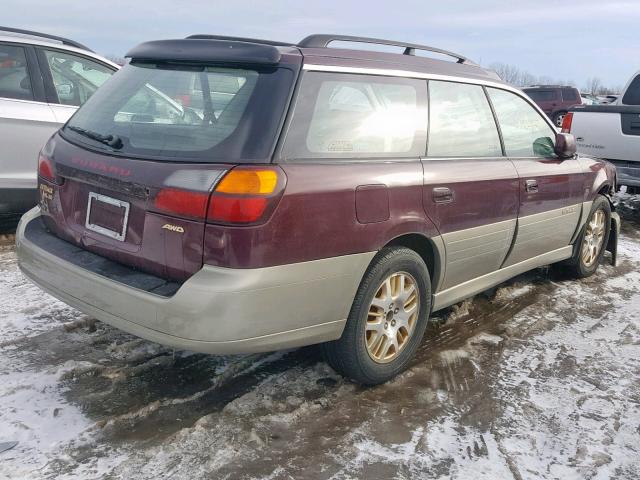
x: 357, y: 116
x: 570, y: 95
x: 541, y: 95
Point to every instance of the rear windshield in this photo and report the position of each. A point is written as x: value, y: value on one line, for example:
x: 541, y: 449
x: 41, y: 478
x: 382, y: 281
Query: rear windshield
x: 632, y: 95
x: 185, y: 113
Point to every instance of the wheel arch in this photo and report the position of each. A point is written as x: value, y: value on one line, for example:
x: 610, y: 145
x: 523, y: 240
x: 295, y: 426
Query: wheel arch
x: 430, y: 249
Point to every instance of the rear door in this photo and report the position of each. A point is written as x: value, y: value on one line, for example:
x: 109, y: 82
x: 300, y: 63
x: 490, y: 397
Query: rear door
x: 470, y: 188
x: 550, y: 189
x: 26, y: 121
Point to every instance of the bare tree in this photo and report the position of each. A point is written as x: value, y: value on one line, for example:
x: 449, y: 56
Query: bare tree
x: 513, y: 75
x: 527, y: 79
x: 508, y: 73
x: 594, y: 86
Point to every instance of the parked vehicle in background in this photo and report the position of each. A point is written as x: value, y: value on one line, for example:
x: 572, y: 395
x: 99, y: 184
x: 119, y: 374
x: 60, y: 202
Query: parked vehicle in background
x: 589, y: 99
x: 43, y: 80
x: 554, y: 100
x: 611, y: 132
x: 608, y: 99
x: 311, y: 195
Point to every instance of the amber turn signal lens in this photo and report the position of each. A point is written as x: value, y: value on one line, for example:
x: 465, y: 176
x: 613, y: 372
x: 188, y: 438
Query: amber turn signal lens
x: 248, y: 182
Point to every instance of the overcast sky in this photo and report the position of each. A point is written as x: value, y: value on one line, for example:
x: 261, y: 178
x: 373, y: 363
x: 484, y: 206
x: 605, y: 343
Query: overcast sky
x: 562, y: 39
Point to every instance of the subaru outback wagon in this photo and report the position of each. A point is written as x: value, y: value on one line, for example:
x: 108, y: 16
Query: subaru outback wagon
x: 230, y: 195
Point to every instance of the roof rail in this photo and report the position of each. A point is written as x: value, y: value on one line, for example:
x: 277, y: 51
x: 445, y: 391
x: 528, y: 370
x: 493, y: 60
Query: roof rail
x: 323, y: 40
x: 64, y: 41
x: 240, y: 39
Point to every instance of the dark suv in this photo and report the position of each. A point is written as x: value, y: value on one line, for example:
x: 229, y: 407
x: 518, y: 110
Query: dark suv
x: 307, y: 195
x: 554, y: 100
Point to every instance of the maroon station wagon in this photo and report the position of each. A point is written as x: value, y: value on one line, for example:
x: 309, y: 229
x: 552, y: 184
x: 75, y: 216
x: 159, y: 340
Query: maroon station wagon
x: 230, y: 195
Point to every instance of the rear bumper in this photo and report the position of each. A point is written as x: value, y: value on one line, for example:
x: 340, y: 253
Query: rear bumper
x: 218, y: 310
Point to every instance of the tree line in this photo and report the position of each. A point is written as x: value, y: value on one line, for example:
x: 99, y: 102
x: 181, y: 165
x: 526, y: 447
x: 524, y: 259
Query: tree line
x: 513, y: 75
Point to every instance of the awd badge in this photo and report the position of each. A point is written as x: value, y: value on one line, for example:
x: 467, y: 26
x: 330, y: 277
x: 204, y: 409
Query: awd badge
x: 173, y: 228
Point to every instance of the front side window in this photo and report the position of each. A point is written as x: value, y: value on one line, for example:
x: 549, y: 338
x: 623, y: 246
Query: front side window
x: 461, y: 122
x: 14, y: 76
x: 186, y: 112
x: 357, y: 116
x: 75, y: 78
x: 524, y: 132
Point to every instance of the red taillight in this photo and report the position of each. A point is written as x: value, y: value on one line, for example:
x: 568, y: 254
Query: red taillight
x: 182, y: 202
x: 566, y: 122
x: 45, y: 168
x: 246, y: 195
x: 236, y: 210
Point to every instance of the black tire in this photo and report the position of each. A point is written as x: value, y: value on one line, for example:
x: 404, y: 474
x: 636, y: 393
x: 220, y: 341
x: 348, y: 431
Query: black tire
x: 557, y: 118
x: 577, y: 266
x: 349, y: 355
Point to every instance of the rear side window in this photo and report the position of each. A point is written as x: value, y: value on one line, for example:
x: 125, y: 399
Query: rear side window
x: 541, y: 95
x: 461, y: 122
x: 14, y: 75
x: 632, y: 95
x: 570, y: 95
x: 357, y: 116
x: 75, y: 78
x: 524, y: 132
x: 186, y: 113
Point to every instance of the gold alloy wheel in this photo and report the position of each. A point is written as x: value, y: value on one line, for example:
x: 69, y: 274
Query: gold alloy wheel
x: 392, y: 317
x: 593, y: 238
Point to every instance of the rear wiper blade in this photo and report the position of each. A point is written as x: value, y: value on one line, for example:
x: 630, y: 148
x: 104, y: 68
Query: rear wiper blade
x: 112, y: 140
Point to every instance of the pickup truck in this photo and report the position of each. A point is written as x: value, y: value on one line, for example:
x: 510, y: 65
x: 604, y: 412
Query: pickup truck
x: 611, y: 132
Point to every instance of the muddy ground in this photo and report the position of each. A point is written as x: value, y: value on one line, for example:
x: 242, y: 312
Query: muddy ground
x: 538, y: 378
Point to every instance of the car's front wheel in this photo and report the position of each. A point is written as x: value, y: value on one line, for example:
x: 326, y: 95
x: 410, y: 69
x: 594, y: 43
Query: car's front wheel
x: 592, y: 242
x: 387, y: 319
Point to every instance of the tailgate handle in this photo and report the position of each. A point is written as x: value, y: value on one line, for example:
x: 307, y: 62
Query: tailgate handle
x: 531, y: 186
x: 442, y: 195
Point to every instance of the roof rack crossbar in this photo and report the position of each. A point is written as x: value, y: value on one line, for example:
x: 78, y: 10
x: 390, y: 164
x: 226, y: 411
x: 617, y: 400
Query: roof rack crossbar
x: 64, y: 41
x: 240, y: 39
x: 323, y: 40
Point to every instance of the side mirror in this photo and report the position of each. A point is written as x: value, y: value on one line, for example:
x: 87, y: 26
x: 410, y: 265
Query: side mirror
x: 565, y: 145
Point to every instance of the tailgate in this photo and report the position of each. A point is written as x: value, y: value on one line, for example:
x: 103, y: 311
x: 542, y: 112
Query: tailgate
x: 108, y: 205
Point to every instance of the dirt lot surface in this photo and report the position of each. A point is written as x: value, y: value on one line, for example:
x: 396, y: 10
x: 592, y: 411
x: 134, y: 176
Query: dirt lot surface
x: 538, y: 378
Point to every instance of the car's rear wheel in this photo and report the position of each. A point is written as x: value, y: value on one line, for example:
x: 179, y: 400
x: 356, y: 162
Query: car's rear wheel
x: 592, y: 242
x: 558, y: 118
x: 387, y: 319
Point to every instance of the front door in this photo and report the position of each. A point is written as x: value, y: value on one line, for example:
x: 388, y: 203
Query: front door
x: 549, y: 188
x: 470, y: 188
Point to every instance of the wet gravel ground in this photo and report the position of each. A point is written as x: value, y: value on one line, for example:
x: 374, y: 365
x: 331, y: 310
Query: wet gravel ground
x: 538, y: 378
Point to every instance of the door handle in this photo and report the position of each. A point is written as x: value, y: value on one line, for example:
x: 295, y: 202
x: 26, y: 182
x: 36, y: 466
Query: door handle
x: 442, y: 195
x: 531, y: 186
